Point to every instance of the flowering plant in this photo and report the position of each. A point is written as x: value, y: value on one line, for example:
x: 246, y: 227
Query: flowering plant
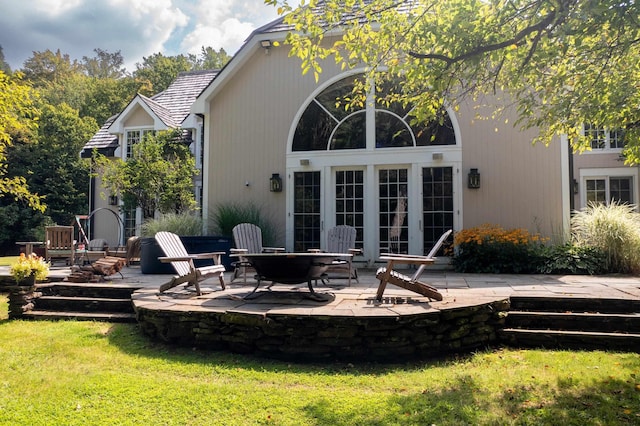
x: 30, y: 265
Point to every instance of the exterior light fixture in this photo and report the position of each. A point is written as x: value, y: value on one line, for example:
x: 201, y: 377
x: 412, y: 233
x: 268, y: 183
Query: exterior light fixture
x: 474, y: 179
x: 275, y: 183
x: 113, y: 200
x: 266, y: 45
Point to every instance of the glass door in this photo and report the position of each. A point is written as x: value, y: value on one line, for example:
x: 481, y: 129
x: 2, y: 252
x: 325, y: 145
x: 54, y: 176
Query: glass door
x: 307, y: 220
x: 437, y: 205
x: 393, y: 210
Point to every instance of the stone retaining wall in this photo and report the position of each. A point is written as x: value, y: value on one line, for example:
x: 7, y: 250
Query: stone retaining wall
x: 318, y: 337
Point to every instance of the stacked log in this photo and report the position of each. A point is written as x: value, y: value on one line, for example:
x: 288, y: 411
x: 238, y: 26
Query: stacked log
x: 97, y: 270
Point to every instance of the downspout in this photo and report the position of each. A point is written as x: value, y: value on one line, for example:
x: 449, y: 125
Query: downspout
x: 201, y: 116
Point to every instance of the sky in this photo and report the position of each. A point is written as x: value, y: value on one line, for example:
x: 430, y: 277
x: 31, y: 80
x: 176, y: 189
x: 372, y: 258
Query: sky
x: 136, y: 28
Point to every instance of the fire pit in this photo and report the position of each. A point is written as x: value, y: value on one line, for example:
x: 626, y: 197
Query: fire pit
x: 291, y: 268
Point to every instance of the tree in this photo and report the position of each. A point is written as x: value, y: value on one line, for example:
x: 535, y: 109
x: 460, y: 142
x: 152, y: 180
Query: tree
x: 45, y: 68
x: 560, y: 63
x: 18, y: 115
x: 158, y: 177
x: 4, y: 66
x: 48, y: 159
x: 104, y: 65
x: 210, y: 59
x: 157, y: 71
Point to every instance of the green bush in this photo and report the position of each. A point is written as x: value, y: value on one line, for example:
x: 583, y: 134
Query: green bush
x: 227, y: 216
x: 492, y: 249
x: 570, y: 259
x: 185, y: 224
x: 612, y: 229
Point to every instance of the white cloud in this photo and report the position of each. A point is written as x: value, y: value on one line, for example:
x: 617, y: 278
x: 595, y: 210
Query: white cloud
x: 225, y: 23
x: 136, y: 28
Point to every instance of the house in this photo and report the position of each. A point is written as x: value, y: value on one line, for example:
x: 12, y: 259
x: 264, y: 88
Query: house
x: 275, y: 138
x: 599, y: 175
x: 369, y: 168
x: 169, y: 109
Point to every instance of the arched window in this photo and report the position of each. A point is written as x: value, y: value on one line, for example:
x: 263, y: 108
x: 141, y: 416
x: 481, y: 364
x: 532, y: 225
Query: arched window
x: 327, y: 125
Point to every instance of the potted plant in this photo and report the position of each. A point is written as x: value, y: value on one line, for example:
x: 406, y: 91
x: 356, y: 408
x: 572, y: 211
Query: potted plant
x: 27, y: 270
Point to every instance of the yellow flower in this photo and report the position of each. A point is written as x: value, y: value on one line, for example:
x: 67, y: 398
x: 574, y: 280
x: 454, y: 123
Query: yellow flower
x: 30, y: 265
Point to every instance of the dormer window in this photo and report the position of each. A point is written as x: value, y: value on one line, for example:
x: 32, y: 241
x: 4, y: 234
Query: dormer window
x: 133, y: 137
x: 603, y: 139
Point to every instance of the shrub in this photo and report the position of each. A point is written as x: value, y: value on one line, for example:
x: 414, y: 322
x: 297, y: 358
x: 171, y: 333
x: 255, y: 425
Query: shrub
x: 492, y: 249
x: 227, y: 216
x: 186, y: 224
x: 29, y: 265
x: 571, y: 259
x: 614, y: 230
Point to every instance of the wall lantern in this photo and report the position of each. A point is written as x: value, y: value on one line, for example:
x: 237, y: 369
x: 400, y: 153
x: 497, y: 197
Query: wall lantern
x: 113, y: 200
x: 474, y: 179
x: 576, y: 188
x: 275, y: 183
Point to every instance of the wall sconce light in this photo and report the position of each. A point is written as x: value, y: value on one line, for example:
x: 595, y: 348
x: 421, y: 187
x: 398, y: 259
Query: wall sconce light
x: 474, y: 179
x: 275, y: 183
x: 575, y: 186
x: 113, y: 200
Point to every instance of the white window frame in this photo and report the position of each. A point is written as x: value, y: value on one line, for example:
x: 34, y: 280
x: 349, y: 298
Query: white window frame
x: 607, y: 134
x: 606, y: 174
x: 127, y: 150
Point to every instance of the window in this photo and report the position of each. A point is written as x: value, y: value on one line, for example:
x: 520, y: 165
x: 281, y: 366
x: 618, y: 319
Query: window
x: 608, y: 189
x: 602, y: 139
x: 133, y: 137
x: 327, y: 125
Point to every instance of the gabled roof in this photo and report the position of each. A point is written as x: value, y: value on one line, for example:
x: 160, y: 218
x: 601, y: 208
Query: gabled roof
x: 161, y: 112
x: 170, y: 107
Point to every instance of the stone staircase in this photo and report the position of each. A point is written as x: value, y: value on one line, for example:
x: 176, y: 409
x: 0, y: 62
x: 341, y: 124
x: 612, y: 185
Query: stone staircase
x: 573, y: 323
x: 91, y: 302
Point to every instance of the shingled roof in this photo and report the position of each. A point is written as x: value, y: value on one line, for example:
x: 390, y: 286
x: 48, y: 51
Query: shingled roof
x: 171, y: 106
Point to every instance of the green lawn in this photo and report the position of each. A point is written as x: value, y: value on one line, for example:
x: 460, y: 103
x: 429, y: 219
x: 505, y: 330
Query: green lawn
x: 86, y: 373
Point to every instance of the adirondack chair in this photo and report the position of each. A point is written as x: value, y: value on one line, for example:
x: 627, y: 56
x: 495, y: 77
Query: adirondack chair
x: 387, y: 275
x: 183, y: 263
x: 247, y: 238
x: 59, y: 243
x: 342, y: 239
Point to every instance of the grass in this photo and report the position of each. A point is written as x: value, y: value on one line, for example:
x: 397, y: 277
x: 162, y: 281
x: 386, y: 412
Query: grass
x: 8, y: 260
x: 77, y: 373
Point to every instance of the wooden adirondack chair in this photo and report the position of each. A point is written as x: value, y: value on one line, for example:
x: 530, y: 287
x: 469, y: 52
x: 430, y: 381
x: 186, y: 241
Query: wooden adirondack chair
x: 387, y: 275
x: 183, y: 263
x: 59, y: 243
x: 247, y: 238
x: 342, y: 239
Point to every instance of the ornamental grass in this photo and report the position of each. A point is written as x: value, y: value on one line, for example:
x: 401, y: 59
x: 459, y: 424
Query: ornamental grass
x: 615, y: 230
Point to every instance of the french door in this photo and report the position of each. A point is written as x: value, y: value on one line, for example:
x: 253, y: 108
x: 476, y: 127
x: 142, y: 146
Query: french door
x: 410, y: 209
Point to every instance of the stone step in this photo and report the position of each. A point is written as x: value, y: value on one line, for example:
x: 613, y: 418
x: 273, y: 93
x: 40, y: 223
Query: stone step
x: 574, y: 304
x: 611, y: 323
x: 104, y: 290
x: 83, y: 304
x: 561, y: 339
x: 122, y: 317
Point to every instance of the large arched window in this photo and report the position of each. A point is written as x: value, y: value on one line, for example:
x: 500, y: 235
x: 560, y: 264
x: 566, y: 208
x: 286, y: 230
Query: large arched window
x: 327, y: 125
